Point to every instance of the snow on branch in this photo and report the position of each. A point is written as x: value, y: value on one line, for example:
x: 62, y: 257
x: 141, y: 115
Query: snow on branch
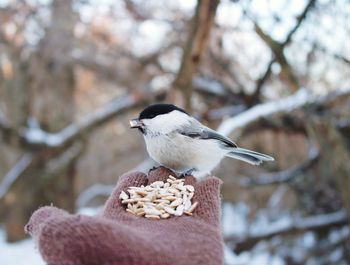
x: 37, y: 136
x: 314, y: 223
x: 298, y: 100
x: 14, y: 174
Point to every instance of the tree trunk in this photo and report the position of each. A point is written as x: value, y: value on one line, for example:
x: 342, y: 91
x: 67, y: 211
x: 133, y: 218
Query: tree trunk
x: 50, y: 79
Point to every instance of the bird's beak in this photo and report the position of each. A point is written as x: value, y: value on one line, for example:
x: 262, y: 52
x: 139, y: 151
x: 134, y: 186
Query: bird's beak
x: 136, y: 123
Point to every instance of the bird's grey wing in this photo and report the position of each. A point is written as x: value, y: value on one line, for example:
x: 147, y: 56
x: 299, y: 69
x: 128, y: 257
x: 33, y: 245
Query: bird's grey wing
x: 197, y: 130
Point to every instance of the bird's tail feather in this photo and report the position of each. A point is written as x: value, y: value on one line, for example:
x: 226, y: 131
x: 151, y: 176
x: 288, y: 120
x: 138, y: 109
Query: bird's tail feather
x: 248, y: 156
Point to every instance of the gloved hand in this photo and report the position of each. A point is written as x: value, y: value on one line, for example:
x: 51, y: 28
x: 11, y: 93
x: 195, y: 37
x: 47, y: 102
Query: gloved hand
x: 118, y: 237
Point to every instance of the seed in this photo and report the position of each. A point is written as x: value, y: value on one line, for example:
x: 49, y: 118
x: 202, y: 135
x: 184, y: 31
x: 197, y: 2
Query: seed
x: 177, y: 181
x: 151, y: 211
x: 177, y: 202
x: 127, y: 201
x: 130, y: 211
x: 157, y: 184
x: 123, y: 196
x: 162, y: 200
x: 172, y: 178
x: 148, y: 188
x: 143, y: 200
x: 179, y: 210
x: 169, y: 198
x: 169, y: 210
x: 159, y: 199
x: 149, y: 216
x: 187, y: 205
x: 190, y: 188
x: 140, y: 213
x: 172, y: 190
x: 165, y: 215
x: 141, y: 192
x: 165, y: 195
x: 191, y: 209
x: 181, y: 187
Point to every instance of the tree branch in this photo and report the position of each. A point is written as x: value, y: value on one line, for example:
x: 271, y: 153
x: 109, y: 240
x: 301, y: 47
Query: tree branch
x: 196, y: 44
x: 14, y: 174
x: 282, y: 176
x: 277, y: 48
x: 299, y: 225
x: 298, y: 100
x: 38, y: 137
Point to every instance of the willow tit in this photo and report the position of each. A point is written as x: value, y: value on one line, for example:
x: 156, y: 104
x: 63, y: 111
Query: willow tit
x: 179, y: 142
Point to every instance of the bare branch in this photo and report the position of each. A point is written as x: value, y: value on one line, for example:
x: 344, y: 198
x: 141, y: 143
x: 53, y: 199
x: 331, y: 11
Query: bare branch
x: 38, y: 137
x: 298, y: 100
x: 277, y: 49
x: 299, y: 225
x: 335, y: 55
x: 14, y: 174
x: 300, y: 20
x: 198, y: 37
x: 282, y: 176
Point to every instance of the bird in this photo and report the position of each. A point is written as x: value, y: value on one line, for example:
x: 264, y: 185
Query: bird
x: 176, y: 140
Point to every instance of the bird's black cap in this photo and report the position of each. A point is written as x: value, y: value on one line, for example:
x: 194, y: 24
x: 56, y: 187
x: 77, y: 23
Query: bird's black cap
x: 158, y: 109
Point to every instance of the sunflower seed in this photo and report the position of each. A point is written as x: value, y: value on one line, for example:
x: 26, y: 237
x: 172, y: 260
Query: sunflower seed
x: 123, y: 196
x: 160, y: 199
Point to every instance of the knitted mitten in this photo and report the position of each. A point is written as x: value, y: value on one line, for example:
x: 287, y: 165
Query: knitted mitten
x: 118, y: 237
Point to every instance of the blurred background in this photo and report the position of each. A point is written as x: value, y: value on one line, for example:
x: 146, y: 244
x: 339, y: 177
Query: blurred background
x: 274, y: 76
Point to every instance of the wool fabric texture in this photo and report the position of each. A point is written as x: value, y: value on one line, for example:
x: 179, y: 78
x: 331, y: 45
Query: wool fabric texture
x: 118, y: 237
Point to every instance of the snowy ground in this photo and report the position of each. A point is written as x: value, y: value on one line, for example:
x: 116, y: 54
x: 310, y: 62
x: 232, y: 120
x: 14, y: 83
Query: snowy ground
x: 21, y: 253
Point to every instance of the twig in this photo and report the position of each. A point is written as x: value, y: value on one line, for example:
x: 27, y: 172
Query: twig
x: 282, y: 176
x: 316, y: 223
x: 15, y: 173
x: 277, y: 49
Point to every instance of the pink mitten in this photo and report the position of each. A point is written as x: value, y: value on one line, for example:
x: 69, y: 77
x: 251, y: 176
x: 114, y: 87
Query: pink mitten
x: 118, y: 237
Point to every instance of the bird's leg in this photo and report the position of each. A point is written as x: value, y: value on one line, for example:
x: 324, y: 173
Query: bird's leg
x: 187, y: 173
x: 153, y: 168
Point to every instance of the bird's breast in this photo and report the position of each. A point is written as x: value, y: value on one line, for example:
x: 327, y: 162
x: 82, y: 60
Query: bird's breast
x: 182, y: 153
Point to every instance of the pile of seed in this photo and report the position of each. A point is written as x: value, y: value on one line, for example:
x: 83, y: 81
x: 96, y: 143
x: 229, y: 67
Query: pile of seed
x: 159, y: 199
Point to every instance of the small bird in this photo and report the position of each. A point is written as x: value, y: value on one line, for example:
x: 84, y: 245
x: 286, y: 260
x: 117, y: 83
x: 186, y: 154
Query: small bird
x: 179, y: 142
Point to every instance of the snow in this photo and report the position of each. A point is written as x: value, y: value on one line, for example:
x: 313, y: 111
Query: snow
x: 20, y: 253
x: 35, y: 135
x: 299, y: 99
x: 263, y: 110
x: 234, y: 218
